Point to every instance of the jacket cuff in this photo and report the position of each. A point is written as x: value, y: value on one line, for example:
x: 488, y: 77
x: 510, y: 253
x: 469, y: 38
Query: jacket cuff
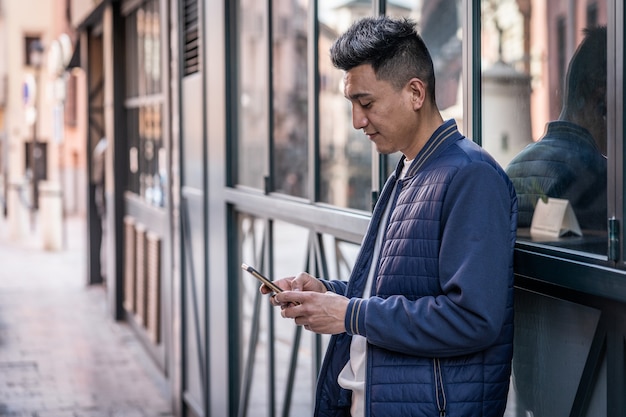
x: 355, y: 317
x: 330, y: 286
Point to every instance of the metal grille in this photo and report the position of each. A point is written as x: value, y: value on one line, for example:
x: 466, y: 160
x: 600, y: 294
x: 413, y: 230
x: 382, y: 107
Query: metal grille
x: 275, y: 355
x: 129, y: 264
x: 191, y: 40
x: 140, y: 272
x: 153, y: 296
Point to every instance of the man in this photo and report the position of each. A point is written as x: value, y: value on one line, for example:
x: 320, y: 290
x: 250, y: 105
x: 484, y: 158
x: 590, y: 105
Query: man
x: 425, y: 325
x: 569, y: 161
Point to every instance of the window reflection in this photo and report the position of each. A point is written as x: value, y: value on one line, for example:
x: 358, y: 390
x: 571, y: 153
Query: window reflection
x: 147, y: 175
x: 544, y: 112
x: 252, y: 87
x: 553, y: 339
x: 143, y: 58
x: 147, y: 166
x: 568, y: 161
x: 345, y: 154
x: 290, y: 96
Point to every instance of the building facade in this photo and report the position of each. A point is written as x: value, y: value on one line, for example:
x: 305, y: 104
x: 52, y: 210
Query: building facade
x: 42, y: 156
x: 228, y: 140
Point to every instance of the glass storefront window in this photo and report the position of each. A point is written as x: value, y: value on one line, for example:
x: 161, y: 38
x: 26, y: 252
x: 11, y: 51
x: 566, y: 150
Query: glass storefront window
x: 544, y: 72
x: 143, y: 57
x: 531, y: 86
x: 552, y: 343
x: 253, y: 90
x: 147, y: 167
x: 345, y: 154
x: 290, y: 96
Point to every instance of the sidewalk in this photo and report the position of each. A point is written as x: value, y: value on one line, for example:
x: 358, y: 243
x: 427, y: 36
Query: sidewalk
x: 61, y: 353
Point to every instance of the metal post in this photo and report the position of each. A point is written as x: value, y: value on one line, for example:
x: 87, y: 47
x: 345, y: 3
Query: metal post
x: 34, y: 156
x: 5, y: 174
x: 36, y: 57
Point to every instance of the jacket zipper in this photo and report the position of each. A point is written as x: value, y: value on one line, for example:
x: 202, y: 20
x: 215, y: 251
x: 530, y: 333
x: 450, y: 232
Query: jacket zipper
x: 440, y: 394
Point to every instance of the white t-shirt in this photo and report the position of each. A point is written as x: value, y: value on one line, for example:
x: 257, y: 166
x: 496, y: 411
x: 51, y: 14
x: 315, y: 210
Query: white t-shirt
x: 352, y: 376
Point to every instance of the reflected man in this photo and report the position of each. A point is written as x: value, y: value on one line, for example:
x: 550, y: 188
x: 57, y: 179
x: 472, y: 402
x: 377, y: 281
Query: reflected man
x: 569, y: 161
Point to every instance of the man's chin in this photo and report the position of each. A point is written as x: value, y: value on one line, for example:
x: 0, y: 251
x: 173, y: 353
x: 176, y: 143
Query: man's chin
x: 384, y: 151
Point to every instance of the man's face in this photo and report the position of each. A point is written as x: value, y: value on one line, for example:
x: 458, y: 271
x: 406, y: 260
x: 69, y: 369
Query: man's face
x: 385, y: 114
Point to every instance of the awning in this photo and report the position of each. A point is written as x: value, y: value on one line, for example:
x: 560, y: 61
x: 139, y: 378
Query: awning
x: 75, y: 60
x: 92, y: 19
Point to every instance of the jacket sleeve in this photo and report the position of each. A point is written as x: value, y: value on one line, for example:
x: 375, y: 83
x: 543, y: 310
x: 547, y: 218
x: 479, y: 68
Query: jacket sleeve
x: 335, y: 286
x: 475, y: 276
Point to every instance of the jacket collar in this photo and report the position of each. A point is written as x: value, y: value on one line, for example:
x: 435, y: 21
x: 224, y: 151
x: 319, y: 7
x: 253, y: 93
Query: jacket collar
x: 447, y: 130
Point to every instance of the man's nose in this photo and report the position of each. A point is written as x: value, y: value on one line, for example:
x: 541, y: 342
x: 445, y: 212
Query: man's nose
x: 359, y: 121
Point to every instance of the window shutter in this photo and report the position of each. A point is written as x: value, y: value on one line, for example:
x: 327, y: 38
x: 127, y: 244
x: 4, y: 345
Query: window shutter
x: 191, y: 41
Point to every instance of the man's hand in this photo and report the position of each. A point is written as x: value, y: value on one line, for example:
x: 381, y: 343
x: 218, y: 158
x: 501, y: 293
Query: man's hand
x: 318, y: 312
x: 301, y: 282
x: 306, y: 300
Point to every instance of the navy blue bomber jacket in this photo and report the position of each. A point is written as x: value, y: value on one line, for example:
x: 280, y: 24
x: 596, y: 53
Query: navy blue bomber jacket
x: 439, y: 324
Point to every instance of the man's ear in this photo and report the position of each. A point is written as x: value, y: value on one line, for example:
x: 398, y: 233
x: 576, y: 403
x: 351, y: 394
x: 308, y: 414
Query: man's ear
x: 417, y: 89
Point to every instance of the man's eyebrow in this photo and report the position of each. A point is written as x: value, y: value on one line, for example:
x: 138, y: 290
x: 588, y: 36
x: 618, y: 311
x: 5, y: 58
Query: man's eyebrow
x: 357, y: 96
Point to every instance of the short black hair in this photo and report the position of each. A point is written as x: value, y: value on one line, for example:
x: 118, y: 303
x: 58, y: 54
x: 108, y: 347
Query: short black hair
x: 391, y: 46
x: 586, y: 75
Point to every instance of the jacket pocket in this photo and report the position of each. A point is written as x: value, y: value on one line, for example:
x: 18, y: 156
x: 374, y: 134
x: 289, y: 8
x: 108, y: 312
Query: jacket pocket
x: 440, y: 393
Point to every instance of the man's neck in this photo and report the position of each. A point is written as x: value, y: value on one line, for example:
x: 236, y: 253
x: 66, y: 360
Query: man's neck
x: 427, y: 125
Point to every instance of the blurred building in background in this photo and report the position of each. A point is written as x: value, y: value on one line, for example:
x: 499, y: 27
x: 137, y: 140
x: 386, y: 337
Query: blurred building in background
x: 195, y: 135
x: 42, y: 150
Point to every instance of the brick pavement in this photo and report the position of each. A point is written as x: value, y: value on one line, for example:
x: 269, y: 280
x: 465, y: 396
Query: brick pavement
x: 61, y: 355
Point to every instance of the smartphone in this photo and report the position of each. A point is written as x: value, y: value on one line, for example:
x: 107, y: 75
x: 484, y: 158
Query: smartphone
x: 266, y: 281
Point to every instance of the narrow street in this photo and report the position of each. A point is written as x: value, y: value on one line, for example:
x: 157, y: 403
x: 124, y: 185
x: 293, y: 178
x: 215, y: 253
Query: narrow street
x: 61, y: 354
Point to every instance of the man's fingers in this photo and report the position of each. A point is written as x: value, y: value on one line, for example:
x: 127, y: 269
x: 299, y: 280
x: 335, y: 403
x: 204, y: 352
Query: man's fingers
x: 290, y: 297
